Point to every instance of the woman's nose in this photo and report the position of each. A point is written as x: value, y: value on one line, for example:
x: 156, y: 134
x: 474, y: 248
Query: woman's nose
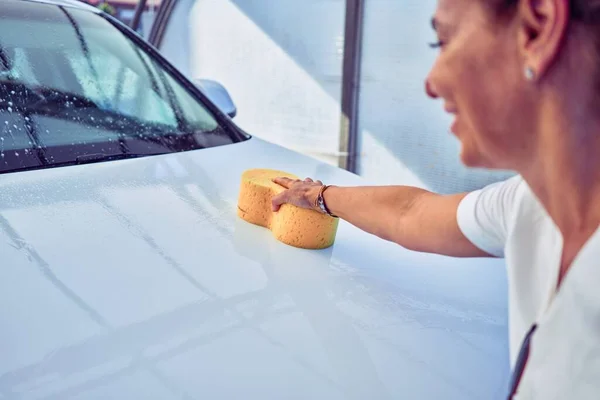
x: 429, y: 89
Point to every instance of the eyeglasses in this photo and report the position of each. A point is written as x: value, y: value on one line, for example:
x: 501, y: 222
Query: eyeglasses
x: 520, y: 364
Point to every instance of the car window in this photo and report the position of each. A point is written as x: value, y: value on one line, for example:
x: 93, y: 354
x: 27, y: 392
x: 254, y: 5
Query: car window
x: 72, y: 84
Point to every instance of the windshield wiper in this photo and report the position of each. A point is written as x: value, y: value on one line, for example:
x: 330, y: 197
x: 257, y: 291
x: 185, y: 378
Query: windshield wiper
x: 63, y: 101
x: 80, y: 160
x: 98, y: 157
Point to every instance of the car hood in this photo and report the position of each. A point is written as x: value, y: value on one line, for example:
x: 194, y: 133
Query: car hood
x: 136, y: 279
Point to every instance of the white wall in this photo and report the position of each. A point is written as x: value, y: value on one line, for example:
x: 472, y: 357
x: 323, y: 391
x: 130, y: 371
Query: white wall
x: 281, y: 60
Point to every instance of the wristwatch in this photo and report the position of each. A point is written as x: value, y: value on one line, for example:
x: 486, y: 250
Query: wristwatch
x: 320, y: 202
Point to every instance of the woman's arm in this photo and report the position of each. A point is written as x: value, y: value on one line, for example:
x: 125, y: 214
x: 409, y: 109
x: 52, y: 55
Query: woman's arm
x: 414, y: 218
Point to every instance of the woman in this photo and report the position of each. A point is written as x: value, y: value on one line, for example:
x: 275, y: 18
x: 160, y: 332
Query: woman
x: 522, y: 78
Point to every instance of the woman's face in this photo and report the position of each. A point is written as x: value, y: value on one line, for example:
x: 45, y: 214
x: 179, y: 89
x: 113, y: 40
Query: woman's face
x: 480, y: 78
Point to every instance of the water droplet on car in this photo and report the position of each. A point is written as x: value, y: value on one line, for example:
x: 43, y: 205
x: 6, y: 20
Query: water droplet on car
x: 9, y: 109
x: 27, y: 119
x: 16, y: 154
x: 12, y: 92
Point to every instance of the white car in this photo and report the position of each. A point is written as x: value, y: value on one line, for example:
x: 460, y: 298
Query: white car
x: 125, y: 272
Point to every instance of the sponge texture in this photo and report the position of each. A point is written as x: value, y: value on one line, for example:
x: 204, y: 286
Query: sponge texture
x: 298, y: 227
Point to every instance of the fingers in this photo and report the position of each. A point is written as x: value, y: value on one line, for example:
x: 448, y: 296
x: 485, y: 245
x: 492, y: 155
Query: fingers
x: 277, y: 201
x: 308, y: 180
x: 283, y: 181
x: 287, y: 182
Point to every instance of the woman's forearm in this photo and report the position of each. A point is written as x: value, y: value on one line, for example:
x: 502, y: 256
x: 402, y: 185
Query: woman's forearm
x: 411, y: 217
x: 378, y: 210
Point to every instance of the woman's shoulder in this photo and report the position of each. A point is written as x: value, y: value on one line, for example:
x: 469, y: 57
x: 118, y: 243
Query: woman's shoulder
x: 504, y: 197
x: 487, y: 216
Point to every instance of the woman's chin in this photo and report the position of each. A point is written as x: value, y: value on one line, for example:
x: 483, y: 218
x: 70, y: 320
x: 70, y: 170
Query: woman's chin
x: 477, y: 160
x: 472, y: 159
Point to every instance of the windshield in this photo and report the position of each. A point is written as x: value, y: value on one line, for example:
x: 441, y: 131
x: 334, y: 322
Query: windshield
x: 73, y: 87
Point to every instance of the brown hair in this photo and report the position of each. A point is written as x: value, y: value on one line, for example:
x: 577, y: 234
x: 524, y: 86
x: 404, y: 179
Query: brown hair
x: 584, y: 14
x: 584, y: 11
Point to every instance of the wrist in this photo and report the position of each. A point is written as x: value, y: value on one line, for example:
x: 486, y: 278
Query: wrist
x: 321, y: 204
x: 313, y: 197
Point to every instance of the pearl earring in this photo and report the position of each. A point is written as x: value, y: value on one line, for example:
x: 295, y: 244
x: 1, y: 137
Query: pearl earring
x: 529, y: 74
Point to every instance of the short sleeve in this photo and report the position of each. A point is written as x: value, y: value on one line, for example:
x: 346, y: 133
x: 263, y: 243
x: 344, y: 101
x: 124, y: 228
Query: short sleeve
x: 484, y: 215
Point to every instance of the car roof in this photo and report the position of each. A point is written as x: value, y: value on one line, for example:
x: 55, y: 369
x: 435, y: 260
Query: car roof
x: 69, y: 3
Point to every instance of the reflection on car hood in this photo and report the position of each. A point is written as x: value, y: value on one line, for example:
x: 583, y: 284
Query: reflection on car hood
x: 136, y: 279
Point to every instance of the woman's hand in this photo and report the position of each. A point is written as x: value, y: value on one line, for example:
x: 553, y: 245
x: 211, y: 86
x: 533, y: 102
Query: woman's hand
x: 299, y: 193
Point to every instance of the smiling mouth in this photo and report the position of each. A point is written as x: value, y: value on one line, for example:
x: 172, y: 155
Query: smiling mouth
x: 450, y: 110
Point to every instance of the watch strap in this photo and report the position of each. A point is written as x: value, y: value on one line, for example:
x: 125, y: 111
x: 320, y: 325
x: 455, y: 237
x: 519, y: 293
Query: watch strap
x: 320, y: 202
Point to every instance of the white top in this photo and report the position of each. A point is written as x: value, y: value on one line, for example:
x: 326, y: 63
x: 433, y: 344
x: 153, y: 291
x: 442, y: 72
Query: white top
x: 507, y: 220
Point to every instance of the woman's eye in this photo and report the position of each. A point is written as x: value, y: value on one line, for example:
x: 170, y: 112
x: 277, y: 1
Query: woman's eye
x: 437, y: 44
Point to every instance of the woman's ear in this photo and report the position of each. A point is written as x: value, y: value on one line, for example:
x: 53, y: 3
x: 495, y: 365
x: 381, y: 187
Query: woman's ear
x: 543, y: 25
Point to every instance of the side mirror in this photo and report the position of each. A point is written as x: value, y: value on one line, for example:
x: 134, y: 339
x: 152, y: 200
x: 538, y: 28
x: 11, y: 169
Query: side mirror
x: 218, y: 95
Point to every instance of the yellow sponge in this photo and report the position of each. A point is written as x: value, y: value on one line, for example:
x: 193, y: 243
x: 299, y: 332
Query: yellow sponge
x: 298, y: 227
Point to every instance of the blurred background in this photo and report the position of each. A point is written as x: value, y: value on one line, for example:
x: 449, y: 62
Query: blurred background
x: 340, y: 80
